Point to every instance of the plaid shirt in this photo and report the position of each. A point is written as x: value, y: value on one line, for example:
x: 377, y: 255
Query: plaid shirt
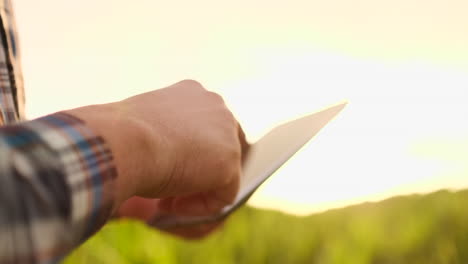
x: 56, y: 175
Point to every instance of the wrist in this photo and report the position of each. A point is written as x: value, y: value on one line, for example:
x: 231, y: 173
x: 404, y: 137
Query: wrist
x: 108, y: 122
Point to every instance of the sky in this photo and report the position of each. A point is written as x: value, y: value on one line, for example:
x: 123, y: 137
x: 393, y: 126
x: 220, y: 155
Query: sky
x: 402, y: 66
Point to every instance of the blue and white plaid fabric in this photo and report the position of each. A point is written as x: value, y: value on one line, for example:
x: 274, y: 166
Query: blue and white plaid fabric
x: 56, y: 175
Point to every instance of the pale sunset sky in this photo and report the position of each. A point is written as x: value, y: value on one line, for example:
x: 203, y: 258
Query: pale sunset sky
x: 401, y: 64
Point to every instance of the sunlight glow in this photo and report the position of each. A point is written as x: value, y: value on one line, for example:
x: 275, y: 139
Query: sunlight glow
x: 402, y: 65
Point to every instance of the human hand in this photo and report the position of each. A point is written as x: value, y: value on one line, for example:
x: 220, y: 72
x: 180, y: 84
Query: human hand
x: 146, y: 210
x: 180, y: 144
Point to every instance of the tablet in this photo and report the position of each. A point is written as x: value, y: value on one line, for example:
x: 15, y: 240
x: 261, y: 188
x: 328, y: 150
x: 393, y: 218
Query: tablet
x: 265, y: 156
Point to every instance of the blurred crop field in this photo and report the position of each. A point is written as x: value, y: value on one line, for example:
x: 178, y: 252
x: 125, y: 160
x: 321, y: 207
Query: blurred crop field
x: 424, y: 229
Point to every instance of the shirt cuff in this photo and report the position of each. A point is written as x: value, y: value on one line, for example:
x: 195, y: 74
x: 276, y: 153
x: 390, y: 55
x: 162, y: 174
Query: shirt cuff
x: 89, y: 170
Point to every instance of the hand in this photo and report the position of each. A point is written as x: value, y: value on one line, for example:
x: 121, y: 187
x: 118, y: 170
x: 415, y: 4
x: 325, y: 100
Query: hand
x: 147, y: 209
x: 179, y: 143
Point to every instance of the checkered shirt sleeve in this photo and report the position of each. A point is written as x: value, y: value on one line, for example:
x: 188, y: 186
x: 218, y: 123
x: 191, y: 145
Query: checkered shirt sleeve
x: 56, y: 180
x: 56, y: 175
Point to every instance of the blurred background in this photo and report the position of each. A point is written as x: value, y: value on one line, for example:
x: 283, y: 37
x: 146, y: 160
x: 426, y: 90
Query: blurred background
x: 402, y: 65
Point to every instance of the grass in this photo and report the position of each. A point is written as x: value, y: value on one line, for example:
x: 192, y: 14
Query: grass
x: 425, y: 229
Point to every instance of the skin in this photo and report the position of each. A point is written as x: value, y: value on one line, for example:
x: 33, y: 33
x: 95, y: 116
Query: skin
x: 177, y: 150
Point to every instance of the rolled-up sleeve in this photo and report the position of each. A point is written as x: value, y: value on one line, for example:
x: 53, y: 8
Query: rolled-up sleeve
x: 56, y: 182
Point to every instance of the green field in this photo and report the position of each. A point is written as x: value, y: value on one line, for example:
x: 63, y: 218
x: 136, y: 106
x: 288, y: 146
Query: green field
x: 425, y: 229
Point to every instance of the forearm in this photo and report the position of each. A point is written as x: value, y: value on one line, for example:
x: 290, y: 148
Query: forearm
x: 131, y: 145
x: 68, y: 172
x: 105, y: 121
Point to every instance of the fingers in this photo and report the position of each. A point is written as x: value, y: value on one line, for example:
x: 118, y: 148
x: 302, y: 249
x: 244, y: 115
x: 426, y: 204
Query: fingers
x: 138, y: 208
x: 202, y: 148
x: 207, y: 203
x: 201, y: 204
x: 168, y: 205
x: 146, y: 209
x: 245, y: 146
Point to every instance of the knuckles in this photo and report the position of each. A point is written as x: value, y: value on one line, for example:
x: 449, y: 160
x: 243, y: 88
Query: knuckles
x: 229, y: 164
x: 215, y: 97
x: 190, y: 84
x: 225, y: 151
x: 229, y: 119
